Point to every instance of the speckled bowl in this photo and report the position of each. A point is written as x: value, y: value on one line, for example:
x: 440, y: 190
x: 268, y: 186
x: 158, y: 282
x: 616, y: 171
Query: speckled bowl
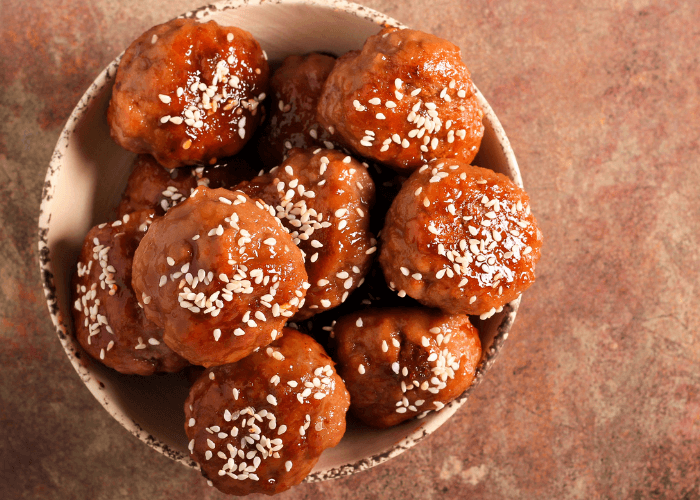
x: 85, y: 179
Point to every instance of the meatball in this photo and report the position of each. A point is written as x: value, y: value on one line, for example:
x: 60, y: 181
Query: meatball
x: 109, y: 324
x: 151, y: 186
x: 323, y: 198
x: 188, y: 93
x: 260, y: 425
x: 403, y: 100
x: 220, y: 275
x: 460, y: 238
x: 401, y: 362
x: 295, y: 88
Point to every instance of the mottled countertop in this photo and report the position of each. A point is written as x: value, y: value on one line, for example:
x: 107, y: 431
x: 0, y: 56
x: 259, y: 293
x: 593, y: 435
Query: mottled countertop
x: 597, y: 392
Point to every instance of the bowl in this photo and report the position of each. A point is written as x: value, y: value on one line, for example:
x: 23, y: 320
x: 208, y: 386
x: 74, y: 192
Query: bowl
x: 86, y: 161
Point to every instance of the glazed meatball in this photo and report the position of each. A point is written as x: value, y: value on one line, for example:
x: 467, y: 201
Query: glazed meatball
x: 109, y: 324
x: 188, y: 93
x: 295, y: 88
x: 220, y: 275
x: 403, y: 100
x: 260, y: 425
x: 401, y: 362
x: 151, y: 186
x: 460, y: 238
x: 323, y: 198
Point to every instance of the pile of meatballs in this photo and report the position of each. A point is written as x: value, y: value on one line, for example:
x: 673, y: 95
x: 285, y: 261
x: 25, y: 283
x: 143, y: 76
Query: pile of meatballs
x: 273, y: 218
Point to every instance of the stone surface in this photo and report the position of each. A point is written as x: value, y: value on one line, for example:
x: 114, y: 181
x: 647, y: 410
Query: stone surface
x: 597, y: 392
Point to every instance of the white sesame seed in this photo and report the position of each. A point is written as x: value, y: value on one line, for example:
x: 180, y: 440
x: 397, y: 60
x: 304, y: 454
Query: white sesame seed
x: 380, y: 116
x: 164, y: 98
x: 271, y: 399
x: 375, y: 101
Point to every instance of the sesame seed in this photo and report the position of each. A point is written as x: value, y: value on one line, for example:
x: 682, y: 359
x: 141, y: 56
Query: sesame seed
x: 375, y: 101
x: 358, y: 322
x: 164, y: 98
x: 380, y: 116
x: 361, y: 369
x: 288, y: 465
x: 229, y: 37
x: 217, y: 334
x: 271, y: 399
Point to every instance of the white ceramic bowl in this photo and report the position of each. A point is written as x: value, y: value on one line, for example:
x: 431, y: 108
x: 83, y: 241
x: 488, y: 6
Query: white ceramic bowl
x: 87, y: 175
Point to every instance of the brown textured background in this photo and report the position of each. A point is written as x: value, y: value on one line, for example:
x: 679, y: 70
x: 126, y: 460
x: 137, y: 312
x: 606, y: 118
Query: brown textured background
x: 597, y: 392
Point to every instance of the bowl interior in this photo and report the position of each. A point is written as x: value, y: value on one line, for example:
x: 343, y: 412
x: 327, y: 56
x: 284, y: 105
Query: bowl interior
x: 84, y: 183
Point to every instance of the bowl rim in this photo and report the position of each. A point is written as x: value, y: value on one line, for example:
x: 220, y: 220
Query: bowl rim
x: 73, y: 351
